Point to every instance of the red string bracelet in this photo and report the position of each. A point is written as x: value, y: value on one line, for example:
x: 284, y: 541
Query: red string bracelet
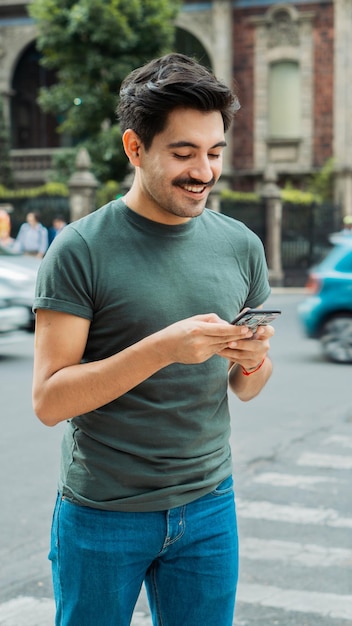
x: 246, y: 373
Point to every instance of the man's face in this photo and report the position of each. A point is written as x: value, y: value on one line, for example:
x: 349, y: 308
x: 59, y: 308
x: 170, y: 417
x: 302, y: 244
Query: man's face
x: 181, y: 167
x: 31, y: 219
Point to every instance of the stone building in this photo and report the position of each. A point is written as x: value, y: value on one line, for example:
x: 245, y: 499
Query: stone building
x: 291, y: 62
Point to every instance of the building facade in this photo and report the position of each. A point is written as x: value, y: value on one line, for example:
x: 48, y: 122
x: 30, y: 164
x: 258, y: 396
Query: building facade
x: 290, y: 62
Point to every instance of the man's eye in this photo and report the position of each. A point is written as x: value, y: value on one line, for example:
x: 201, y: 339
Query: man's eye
x: 181, y: 156
x: 214, y: 156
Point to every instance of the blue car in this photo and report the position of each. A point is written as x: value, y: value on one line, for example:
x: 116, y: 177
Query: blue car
x: 326, y: 313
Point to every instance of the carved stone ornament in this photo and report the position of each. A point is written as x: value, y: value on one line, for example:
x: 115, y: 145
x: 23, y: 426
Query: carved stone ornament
x: 283, y: 31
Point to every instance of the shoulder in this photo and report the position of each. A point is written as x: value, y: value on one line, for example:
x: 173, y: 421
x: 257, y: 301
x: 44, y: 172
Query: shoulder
x: 221, y: 221
x: 232, y: 229
x: 102, y: 222
x: 90, y: 237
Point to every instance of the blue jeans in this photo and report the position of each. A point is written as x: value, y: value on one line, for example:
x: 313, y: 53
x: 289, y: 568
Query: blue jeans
x: 187, y: 557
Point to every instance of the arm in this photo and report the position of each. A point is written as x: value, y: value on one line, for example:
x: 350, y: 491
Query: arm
x: 247, y: 387
x: 63, y: 387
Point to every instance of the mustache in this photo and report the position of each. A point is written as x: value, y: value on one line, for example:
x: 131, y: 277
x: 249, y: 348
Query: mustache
x: 193, y: 181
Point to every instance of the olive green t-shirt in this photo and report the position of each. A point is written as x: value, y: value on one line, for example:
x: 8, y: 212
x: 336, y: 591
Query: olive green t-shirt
x: 165, y: 442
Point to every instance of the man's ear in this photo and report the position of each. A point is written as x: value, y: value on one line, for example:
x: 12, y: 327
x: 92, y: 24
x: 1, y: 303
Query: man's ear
x: 132, y: 143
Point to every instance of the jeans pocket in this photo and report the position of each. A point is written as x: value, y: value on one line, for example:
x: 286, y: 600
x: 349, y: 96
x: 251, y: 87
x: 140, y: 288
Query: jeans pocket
x: 226, y: 486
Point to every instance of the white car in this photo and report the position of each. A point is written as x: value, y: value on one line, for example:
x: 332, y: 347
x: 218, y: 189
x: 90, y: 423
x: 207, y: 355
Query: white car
x: 17, y: 285
x: 11, y: 317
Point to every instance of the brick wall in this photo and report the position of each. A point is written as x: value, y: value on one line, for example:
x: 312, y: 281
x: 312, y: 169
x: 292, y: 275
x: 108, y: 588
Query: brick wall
x: 323, y: 83
x: 243, y: 69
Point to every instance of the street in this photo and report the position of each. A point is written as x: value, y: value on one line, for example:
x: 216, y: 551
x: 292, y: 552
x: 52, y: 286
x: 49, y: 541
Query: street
x: 292, y: 451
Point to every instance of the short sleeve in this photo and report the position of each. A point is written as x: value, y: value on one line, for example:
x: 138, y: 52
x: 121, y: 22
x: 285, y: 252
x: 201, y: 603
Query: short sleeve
x: 65, y: 281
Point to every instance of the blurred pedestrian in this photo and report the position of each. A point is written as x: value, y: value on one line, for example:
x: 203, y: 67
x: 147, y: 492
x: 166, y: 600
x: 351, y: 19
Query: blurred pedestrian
x: 57, y: 227
x: 32, y: 236
x: 6, y: 241
x: 135, y: 350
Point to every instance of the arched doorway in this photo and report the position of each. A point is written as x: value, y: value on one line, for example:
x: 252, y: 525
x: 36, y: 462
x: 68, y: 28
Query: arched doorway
x: 186, y: 43
x: 30, y: 126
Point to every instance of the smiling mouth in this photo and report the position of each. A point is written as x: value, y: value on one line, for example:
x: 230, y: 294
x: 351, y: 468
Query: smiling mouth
x: 194, y: 188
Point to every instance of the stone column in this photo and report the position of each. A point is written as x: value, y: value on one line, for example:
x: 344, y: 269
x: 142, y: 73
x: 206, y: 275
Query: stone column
x: 343, y: 105
x: 271, y: 194
x: 82, y: 186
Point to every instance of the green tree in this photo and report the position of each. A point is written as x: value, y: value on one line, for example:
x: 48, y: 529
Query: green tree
x: 6, y: 177
x: 93, y: 45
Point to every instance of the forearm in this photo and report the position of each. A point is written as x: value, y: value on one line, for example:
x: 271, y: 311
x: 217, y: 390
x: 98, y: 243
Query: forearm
x: 63, y: 387
x: 247, y: 387
x: 80, y: 388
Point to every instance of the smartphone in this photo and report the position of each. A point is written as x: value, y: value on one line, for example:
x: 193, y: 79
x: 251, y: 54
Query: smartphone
x: 256, y: 317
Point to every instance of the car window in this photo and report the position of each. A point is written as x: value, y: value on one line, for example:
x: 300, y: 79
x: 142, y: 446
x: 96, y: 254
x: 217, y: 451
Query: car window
x: 345, y: 264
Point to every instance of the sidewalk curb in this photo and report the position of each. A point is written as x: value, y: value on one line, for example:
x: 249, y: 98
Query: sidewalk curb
x: 290, y: 290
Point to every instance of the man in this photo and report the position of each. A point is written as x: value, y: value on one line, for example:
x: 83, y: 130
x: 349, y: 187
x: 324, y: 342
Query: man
x: 134, y: 348
x: 32, y: 236
x: 59, y: 224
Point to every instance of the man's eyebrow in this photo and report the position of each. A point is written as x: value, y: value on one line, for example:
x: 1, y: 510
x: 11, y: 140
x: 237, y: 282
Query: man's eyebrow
x: 189, y: 144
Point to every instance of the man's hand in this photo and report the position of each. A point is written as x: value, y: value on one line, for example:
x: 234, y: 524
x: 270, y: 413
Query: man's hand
x: 196, y: 339
x: 250, y: 353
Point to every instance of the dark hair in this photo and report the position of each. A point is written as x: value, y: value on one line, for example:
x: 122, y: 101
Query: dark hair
x: 149, y: 93
x: 36, y: 214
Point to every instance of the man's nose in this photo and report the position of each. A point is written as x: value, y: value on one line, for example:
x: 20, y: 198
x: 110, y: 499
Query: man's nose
x: 201, y: 170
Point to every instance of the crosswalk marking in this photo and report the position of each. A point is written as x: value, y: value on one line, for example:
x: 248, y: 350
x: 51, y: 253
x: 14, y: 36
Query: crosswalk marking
x: 307, y: 555
x: 324, y: 604
x: 290, y: 480
x: 341, y: 440
x: 294, y: 514
x: 33, y: 612
x: 27, y: 611
x: 325, y: 460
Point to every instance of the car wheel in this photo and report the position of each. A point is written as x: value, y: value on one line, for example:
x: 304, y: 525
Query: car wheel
x: 336, y: 339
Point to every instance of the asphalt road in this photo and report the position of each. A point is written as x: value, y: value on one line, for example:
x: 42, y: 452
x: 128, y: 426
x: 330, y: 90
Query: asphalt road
x: 292, y: 449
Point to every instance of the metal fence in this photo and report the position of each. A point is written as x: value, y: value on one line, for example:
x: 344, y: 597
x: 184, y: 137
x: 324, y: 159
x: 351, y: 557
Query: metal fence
x: 305, y: 233
x: 305, y: 228
x: 250, y: 213
x: 305, y: 237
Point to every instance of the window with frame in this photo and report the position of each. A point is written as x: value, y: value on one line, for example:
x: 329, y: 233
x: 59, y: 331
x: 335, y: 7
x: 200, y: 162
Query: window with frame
x: 284, y: 100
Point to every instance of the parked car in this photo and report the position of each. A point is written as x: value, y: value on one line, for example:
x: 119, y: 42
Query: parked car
x: 18, y: 275
x: 326, y: 313
x: 11, y: 317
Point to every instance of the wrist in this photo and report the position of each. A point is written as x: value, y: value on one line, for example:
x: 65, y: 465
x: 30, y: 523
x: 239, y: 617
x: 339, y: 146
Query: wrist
x: 252, y: 370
